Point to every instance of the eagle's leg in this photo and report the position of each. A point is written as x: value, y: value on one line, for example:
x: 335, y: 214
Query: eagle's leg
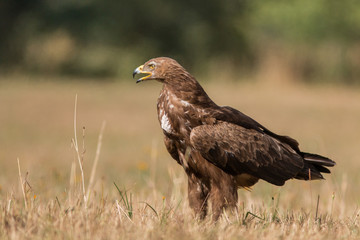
x: 223, y: 195
x: 198, y: 195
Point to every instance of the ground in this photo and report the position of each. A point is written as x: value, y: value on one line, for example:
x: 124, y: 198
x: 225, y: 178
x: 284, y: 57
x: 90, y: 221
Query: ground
x: 37, y: 120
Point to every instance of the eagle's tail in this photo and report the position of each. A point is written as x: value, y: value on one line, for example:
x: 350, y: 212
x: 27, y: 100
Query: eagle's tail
x: 314, y: 165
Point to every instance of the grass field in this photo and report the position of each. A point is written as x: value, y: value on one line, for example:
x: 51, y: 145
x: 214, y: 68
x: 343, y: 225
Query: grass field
x: 37, y: 127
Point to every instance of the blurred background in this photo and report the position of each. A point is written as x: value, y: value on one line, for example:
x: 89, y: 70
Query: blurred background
x: 294, y: 66
x: 303, y: 40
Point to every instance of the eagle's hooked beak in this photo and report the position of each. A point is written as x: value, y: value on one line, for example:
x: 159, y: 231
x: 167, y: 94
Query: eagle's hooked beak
x: 139, y: 70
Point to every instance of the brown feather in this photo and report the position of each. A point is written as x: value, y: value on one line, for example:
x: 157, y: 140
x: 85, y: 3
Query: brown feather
x: 220, y: 148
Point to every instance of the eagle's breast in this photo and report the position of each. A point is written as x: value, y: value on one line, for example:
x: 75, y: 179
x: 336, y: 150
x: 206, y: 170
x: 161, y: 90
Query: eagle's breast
x: 176, y: 116
x: 165, y: 123
x: 162, y: 104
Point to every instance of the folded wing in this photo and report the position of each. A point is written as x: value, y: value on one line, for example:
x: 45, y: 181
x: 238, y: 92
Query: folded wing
x: 238, y: 150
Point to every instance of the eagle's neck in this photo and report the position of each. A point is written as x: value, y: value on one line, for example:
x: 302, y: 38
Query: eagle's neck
x: 186, y: 88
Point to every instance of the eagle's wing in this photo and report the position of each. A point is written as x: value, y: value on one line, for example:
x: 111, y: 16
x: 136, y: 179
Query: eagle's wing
x: 171, y: 148
x: 231, y: 115
x: 238, y: 150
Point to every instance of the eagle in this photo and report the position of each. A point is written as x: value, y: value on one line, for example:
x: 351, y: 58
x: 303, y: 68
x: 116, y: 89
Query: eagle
x: 220, y: 148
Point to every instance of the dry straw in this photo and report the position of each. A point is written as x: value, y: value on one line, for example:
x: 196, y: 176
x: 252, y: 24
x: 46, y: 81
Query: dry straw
x: 80, y: 157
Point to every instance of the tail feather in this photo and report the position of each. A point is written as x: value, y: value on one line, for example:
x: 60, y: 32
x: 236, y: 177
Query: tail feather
x: 314, y: 165
x: 318, y: 160
x: 322, y: 169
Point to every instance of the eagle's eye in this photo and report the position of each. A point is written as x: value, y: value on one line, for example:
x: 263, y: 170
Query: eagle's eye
x: 151, y: 66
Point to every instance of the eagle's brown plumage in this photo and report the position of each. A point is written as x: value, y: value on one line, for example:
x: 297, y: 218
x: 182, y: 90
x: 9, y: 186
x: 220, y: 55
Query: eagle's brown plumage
x: 220, y: 148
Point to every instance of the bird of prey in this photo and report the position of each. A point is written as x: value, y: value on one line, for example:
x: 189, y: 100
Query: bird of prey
x: 220, y: 148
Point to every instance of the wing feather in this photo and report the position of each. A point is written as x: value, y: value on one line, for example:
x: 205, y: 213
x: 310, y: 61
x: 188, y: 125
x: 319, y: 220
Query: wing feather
x: 238, y: 150
x: 231, y: 115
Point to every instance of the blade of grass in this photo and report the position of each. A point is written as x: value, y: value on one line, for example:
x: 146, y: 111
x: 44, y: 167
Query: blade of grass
x: 75, y: 144
x: 22, y: 184
x: 317, y: 208
x: 96, y: 160
x: 125, y: 199
x: 58, y: 202
x: 252, y: 214
x: 119, y: 207
x: 153, y: 209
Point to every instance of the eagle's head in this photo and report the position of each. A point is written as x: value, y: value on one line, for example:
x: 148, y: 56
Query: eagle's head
x: 161, y: 69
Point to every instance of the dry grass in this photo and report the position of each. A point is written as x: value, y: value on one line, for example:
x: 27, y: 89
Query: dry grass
x: 150, y: 199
